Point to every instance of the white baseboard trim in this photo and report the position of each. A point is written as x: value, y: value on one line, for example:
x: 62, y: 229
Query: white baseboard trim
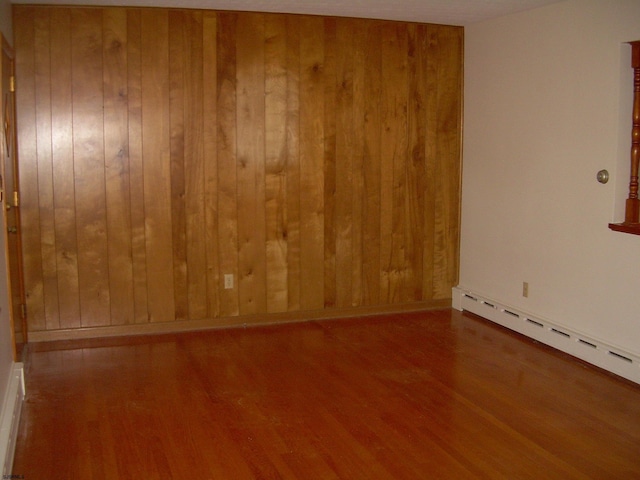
x: 10, y: 417
x: 591, y: 350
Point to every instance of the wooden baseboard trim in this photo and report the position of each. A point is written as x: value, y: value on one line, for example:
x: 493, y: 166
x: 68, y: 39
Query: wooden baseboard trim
x: 228, y: 322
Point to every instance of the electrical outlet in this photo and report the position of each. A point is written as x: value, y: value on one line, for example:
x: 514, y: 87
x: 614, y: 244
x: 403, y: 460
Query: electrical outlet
x: 228, y: 281
x: 525, y: 289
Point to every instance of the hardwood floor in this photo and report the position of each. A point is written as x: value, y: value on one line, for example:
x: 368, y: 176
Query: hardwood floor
x: 441, y: 395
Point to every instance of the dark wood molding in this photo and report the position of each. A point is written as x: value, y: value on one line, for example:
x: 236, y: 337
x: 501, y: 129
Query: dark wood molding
x: 633, y: 228
x: 631, y: 222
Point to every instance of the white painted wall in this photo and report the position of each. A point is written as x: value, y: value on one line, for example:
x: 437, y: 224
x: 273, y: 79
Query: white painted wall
x: 547, y: 105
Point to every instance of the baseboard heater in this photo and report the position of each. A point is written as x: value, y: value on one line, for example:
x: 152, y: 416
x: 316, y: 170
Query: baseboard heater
x: 10, y: 418
x: 591, y: 350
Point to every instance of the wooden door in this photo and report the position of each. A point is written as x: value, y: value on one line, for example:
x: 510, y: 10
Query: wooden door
x: 11, y: 198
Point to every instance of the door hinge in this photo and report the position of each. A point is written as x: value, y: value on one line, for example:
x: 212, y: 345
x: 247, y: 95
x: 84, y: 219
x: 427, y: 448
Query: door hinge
x: 12, y: 83
x: 23, y: 310
x: 16, y: 199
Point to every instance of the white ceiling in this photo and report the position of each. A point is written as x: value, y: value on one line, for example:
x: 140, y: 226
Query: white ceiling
x: 445, y: 12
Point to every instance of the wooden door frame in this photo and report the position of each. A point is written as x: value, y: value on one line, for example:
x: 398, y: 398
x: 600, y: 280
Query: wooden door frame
x: 11, y: 198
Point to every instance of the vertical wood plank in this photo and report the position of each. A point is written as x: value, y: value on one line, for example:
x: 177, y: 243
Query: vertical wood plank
x: 386, y: 185
x: 431, y: 151
x: 311, y: 164
x: 63, y: 171
x: 157, y: 170
x: 394, y: 125
x: 357, y: 188
x: 276, y: 129
x: 136, y: 165
x: 178, y: 37
x: 45, y: 166
x: 210, y: 120
x: 27, y: 141
x: 330, y: 161
x: 292, y: 229
x: 250, y: 163
x: 226, y: 151
x: 454, y: 82
x: 447, y: 52
x: 195, y: 168
x: 88, y: 148
x: 416, y: 166
x: 400, y: 265
x: 116, y: 147
x: 372, y: 165
x: 344, y: 162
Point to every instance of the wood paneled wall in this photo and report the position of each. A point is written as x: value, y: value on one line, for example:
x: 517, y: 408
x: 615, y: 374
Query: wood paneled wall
x: 316, y: 159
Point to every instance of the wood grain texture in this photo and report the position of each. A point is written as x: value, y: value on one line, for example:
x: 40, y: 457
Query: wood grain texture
x: 89, y: 165
x: 43, y: 61
x: 416, y: 163
x: 177, y: 68
x: 292, y: 228
x: 360, y: 398
x: 156, y: 148
x: 169, y: 148
x: 250, y: 163
x: 329, y: 170
x: 63, y: 173
x: 227, y: 175
x: 372, y: 166
x: 276, y: 172
x: 312, y: 112
x: 210, y: 133
x: 445, y: 51
x: 116, y: 148
x: 136, y: 166
x: 345, y: 152
x: 9, y: 163
x: 27, y: 135
x: 394, y: 155
x: 358, y: 81
x: 195, y: 167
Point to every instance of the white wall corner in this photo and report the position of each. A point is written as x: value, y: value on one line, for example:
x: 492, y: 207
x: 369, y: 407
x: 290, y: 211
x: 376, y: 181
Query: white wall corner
x: 10, y: 417
x: 456, y: 298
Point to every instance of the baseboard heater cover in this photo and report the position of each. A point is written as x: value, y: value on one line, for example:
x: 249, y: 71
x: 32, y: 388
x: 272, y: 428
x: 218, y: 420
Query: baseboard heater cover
x: 10, y: 418
x: 593, y: 351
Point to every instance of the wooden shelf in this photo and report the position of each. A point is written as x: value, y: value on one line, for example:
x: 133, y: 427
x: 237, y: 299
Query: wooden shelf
x: 633, y: 228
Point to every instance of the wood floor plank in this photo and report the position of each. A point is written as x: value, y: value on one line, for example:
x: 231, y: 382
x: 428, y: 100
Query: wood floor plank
x: 437, y: 394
